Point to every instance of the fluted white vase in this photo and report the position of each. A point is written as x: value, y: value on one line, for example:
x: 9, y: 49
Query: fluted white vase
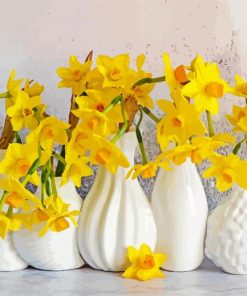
x: 180, y: 208
x: 55, y: 250
x: 115, y: 214
x: 9, y: 259
x: 226, y: 240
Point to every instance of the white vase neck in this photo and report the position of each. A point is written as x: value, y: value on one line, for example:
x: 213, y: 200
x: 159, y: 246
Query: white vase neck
x: 127, y: 143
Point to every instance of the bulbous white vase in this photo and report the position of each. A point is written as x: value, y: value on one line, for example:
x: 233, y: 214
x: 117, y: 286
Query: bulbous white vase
x: 226, y: 240
x: 55, y: 250
x: 180, y: 208
x: 115, y: 214
x: 9, y: 259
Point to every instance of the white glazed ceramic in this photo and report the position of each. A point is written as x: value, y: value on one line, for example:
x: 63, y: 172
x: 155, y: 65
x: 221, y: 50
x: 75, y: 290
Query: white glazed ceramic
x: 180, y: 208
x: 115, y: 214
x: 226, y: 241
x: 55, y: 250
x: 9, y: 259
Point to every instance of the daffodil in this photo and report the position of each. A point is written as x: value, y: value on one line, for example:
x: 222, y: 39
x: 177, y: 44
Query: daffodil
x: 227, y: 170
x: 94, y: 120
x: 22, y: 112
x: 175, y: 78
x: 115, y: 70
x: 99, y: 101
x: 49, y: 131
x: 238, y: 119
x: 76, y: 168
x: 33, y: 89
x: 13, y: 87
x: 18, y: 196
x: 75, y: 76
x: 18, y: 160
x: 199, y: 149
x: 240, y: 88
x: 207, y: 87
x: 107, y: 154
x: 8, y: 224
x: 181, y: 121
x: 79, y: 140
x: 148, y: 170
x: 55, y: 215
x: 145, y: 264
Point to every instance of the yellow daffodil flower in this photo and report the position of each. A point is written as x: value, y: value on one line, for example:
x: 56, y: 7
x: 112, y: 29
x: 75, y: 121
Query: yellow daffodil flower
x: 227, y: 170
x: 22, y: 112
x: 240, y: 88
x: 148, y: 170
x: 99, y: 101
x: 180, y: 122
x: 107, y: 154
x: 8, y: 224
x: 54, y: 215
x: 175, y: 78
x: 18, y: 160
x: 94, y: 120
x: 199, y: 149
x: 238, y: 119
x: 75, y: 76
x: 33, y: 89
x: 76, y: 168
x: 79, y: 140
x: 50, y: 131
x: 18, y: 196
x: 115, y: 70
x: 207, y: 86
x: 13, y: 87
x: 145, y: 264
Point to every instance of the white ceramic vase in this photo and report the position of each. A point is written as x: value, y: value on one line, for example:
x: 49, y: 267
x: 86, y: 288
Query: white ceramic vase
x: 9, y: 259
x: 115, y: 214
x: 226, y: 240
x: 55, y: 250
x: 180, y: 208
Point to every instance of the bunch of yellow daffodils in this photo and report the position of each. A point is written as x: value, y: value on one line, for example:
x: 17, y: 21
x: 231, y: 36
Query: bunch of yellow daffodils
x: 181, y: 134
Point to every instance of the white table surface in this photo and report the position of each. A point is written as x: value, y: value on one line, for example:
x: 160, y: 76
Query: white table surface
x: 207, y: 280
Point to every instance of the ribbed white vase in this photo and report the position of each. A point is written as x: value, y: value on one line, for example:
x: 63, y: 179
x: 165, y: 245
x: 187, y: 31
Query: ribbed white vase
x: 180, y: 208
x: 9, y: 259
x: 115, y: 214
x: 55, y: 250
x: 226, y: 241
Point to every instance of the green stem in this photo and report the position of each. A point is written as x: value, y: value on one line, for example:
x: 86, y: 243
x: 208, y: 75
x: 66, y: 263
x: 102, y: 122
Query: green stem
x: 140, y: 140
x: 3, y: 198
x: 4, y: 95
x: 59, y: 157
x: 60, y: 165
x: 32, y: 169
x: 43, y: 194
x: 124, y: 126
x: 210, y: 124
x: 53, y: 183
x: 238, y: 146
x: 18, y: 138
x: 150, y: 114
x: 112, y: 104
x: 150, y: 80
x: 9, y: 212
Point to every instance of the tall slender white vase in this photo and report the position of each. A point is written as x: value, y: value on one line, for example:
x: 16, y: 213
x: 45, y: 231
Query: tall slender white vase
x: 226, y: 241
x: 55, y: 250
x: 115, y: 214
x: 9, y: 259
x: 180, y: 208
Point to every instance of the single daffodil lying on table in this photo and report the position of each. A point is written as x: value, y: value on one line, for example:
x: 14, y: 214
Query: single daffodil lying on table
x: 145, y: 264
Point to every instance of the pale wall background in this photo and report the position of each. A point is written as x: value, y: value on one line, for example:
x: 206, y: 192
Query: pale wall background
x: 38, y: 36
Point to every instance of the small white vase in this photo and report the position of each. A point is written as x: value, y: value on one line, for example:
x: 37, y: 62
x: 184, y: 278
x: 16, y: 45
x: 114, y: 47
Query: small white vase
x: 55, y: 250
x: 226, y: 240
x: 180, y: 208
x: 115, y: 214
x: 9, y: 259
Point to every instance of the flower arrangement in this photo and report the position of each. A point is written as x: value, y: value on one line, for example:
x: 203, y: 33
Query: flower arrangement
x: 107, y: 100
